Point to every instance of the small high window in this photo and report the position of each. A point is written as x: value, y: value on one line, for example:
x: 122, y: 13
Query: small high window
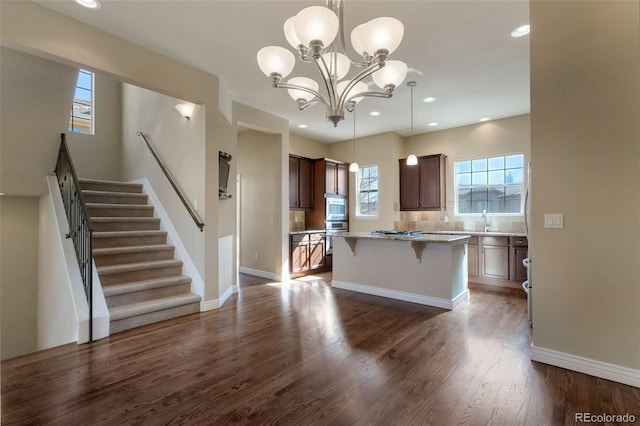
x: 81, y: 118
x: 367, y: 188
x: 494, y: 184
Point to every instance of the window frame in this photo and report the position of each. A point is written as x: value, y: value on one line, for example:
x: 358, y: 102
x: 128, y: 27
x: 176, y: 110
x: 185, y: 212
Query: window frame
x: 359, y: 214
x: 523, y: 185
x: 91, y: 131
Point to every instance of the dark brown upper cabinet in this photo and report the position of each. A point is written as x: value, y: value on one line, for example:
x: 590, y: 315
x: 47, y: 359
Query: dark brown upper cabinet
x: 423, y: 187
x: 336, y: 177
x: 300, y: 182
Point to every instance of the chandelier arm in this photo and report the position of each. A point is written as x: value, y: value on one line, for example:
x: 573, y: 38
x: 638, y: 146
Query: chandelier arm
x: 305, y: 89
x: 328, y: 82
x: 337, y: 6
x: 385, y: 95
x: 355, y: 80
x: 306, y: 104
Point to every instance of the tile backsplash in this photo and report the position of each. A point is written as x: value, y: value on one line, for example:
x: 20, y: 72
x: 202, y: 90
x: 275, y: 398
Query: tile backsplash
x: 435, y: 221
x: 296, y: 220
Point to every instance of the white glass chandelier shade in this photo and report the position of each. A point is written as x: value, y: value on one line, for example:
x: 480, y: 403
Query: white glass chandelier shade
x: 276, y: 59
x: 353, y: 167
x: 290, y: 33
x: 301, y: 94
x: 360, y: 87
x: 355, y: 39
x: 316, y: 23
x: 381, y: 34
x: 340, y: 67
x: 393, y: 73
x: 91, y: 4
x: 412, y: 160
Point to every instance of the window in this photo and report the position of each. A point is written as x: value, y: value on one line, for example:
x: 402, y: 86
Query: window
x: 81, y: 118
x: 494, y: 184
x: 367, y: 189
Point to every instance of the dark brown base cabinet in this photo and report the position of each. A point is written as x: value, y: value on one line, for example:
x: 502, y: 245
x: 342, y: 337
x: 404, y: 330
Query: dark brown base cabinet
x: 307, y: 253
x: 497, y: 260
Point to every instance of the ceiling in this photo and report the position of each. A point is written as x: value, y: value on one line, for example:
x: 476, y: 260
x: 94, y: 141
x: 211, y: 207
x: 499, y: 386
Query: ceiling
x: 460, y: 52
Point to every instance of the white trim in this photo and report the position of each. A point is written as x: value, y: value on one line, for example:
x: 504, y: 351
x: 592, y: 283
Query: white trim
x: 460, y: 299
x: 173, y: 238
x: 401, y: 295
x: 210, y: 305
x: 259, y: 273
x: 592, y: 367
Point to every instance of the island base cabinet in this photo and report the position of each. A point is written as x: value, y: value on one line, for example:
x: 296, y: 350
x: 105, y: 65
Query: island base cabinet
x: 472, y: 258
x: 495, y: 262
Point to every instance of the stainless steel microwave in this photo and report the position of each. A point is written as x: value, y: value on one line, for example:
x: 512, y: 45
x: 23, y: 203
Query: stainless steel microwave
x: 335, y: 208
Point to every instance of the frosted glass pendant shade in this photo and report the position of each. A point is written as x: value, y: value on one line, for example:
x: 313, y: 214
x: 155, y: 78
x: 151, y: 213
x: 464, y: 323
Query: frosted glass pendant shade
x: 290, y: 33
x: 353, y: 167
x: 412, y: 160
x: 355, y: 39
x: 382, y: 33
x: 341, y: 67
x: 360, y: 87
x: 316, y: 23
x: 276, y: 59
x: 301, y: 94
x: 185, y: 110
x: 393, y: 72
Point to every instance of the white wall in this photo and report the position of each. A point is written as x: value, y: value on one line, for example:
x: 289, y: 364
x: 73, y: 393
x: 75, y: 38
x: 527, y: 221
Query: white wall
x: 180, y: 145
x: 36, y: 101
x: 18, y: 275
x: 585, y: 153
x: 97, y: 156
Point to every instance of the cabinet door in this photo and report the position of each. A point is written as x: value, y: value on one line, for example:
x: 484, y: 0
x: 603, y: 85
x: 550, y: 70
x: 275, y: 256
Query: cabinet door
x: 472, y: 259
x: 331, y: 183
x: 342, y: 176
x: 293, y: 182
x: 430, y: 183
x: 316, y: 255
x: 409, y: 187
x: 299, y: 257
x: 495, y: 262
x: 518, y: 271
x: 305, y: 183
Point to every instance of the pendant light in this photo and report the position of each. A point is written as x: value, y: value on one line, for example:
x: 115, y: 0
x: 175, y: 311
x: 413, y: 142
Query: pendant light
x: 354, y: 166
x: 412, y: 160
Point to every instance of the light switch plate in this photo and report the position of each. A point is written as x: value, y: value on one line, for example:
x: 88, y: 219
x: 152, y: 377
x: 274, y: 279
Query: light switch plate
x: 554, y: 220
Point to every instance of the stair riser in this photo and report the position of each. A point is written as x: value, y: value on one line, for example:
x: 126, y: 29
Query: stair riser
x: 123, y: 258
x: 144, y: 274
x: 113, y: 199
x: 125, y: 212
x: 125, y: 226
x: 140, y: 320
x: 97, y: 186
x: 129, y: 241
x: 146, y: 295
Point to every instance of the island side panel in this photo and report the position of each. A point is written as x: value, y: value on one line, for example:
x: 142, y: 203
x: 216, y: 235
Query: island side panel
x: 389, y: 268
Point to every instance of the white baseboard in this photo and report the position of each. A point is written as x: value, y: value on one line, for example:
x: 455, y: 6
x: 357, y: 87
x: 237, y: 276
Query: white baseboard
x: 210, y: 305
x: 604, y: 370
x: 460, y: 299
x: 259, y: 273
x: 400, y: 295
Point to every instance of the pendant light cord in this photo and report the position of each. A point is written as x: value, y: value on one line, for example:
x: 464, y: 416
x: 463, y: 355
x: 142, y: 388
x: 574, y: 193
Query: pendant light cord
x: 354, y: 135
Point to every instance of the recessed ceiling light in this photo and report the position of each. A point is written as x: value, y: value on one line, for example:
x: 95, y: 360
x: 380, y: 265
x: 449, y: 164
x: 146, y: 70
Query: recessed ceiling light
x: 374, y: 113
x: 429, y: 99
x: 91, y: 4
x: 522, y: 30
x: 483, y: 119
x: 302, y: 126
x: 432, y: 124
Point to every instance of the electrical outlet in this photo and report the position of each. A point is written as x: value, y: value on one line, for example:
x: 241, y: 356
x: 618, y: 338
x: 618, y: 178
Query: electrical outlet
x: 446, y: 219
x: 195, y: 204
x: 255, y: 255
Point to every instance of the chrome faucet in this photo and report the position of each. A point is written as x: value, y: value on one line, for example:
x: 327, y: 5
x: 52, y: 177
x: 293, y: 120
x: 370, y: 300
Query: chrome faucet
x: 485, y: 217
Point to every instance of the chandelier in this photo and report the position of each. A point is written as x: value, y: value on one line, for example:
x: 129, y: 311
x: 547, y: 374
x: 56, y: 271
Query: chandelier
x: 317, y: 34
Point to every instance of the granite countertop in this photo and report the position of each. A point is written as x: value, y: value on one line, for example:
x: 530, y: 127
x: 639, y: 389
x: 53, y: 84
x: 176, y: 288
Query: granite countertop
x: 481, y: 233
x: 308, y: 231
x: 424, y: 237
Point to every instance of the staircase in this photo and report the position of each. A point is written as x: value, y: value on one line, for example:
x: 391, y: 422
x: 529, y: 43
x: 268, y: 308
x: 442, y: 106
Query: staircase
x: 141, y: 280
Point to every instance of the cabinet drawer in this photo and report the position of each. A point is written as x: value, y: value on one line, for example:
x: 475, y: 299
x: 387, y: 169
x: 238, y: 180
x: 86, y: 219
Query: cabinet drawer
x: 299, y: 238
x: 519, y: 241
x: 473, y: 241
x: 495, y: 241
x: 316, y: 237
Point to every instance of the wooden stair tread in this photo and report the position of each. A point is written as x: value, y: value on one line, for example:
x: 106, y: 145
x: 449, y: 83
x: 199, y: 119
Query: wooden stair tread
x: 131, y: 249
x: 131, y: 267
x: 118, y: 206
x: 124, y: 219
x: 109, y: 182
x: 134, y: 286
x: 141, y: 308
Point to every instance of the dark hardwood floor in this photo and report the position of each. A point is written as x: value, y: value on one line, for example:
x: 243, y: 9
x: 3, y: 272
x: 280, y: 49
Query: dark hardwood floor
x: 304, y: 353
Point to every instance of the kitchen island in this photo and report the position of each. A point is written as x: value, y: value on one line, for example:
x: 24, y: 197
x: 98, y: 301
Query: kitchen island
x: 430, y: 269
